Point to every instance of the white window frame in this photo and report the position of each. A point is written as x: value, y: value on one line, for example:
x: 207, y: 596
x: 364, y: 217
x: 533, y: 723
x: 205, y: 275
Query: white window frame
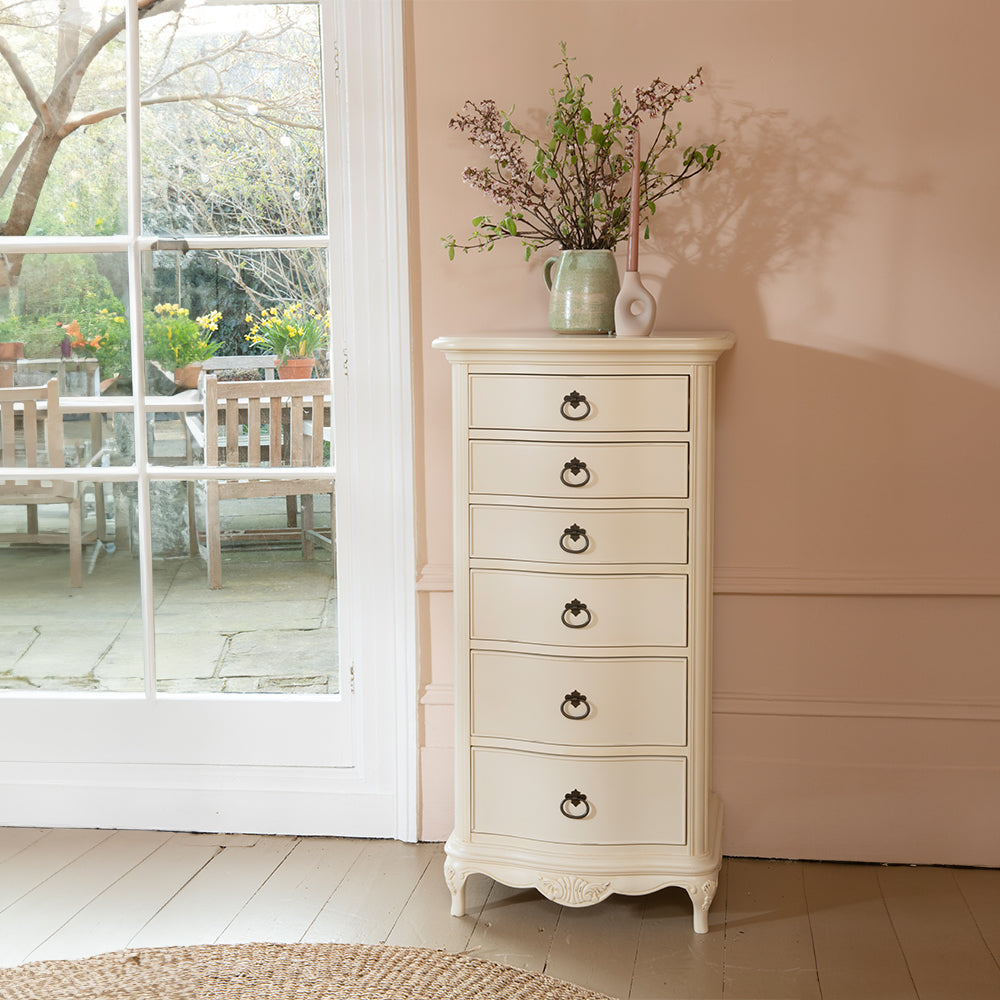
x: 371, y: 373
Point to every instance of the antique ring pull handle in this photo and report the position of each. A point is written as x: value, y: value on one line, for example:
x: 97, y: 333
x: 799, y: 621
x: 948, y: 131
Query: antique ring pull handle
x: 576, y: 608
x: 575, y: 699
x: 575, y: 798
x: 573, y: 400
x: 574, y: 467
x: 575, y: 534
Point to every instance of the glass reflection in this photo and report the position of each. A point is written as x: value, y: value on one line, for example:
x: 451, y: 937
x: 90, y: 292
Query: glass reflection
x: 232, y: 129
x: 68, y: 59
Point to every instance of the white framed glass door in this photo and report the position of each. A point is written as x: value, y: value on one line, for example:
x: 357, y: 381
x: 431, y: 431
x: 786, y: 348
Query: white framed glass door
x: 220, y: 144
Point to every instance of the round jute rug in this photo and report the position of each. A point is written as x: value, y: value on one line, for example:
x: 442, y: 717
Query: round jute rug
x: 281, y: 972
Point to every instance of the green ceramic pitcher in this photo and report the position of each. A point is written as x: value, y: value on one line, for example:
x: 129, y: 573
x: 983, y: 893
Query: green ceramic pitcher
x: 582, y: 291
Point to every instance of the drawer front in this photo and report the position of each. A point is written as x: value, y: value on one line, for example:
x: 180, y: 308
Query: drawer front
x: 578, y: 701
x: 576, y: 471
x: 592, y: 403
x: 609, y: 611
x: 589, y: 537
x: 629, y: 800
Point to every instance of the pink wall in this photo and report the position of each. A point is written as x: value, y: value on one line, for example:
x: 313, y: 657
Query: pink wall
x: 849, y: 240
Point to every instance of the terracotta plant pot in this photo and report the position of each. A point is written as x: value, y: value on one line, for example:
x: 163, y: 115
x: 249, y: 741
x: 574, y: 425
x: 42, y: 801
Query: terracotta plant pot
x: 11, y: 350
x: 187, y: 377
x: 296, y: 368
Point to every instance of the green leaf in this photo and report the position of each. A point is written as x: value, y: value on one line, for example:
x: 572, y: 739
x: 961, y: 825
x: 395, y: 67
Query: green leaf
x: 616, y: 109
x: 585, y: 116
x: 646, y: 233
x: 581, y: 136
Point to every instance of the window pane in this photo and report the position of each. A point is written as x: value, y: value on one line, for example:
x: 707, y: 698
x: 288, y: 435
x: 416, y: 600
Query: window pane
x: 271, y: 628
x: 48, y: 184
x: 67, y: 312
x: 235, y: 304
x: 232, y: 130
x: 65, y: 317
x: 246, y: 565
x: 53, y: 636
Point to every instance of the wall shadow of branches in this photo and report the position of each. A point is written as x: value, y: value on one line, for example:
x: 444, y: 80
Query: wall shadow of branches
x: 774, y: 201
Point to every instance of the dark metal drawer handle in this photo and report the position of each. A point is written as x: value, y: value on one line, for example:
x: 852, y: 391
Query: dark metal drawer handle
x: 576, y: 608
x: 575, y: 798
x: 573, y: 400
x: 575, y: 467
x: 575, y: 534
x: 575, y: 699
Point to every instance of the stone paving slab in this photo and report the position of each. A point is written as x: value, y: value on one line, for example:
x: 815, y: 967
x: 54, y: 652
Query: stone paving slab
x: 61, y: 651
x: 281, y: 652
x: 14, y: 642
x: 279, y: 582
x: 175, y: 616
x: 185, y: 655
x: 268, y: 629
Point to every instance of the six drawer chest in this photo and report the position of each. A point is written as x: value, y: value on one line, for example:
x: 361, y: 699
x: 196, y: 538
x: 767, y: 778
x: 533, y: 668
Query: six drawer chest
x: 583, y: 471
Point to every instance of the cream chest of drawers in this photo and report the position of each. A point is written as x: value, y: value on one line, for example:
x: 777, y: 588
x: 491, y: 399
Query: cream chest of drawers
x: 583, y: 592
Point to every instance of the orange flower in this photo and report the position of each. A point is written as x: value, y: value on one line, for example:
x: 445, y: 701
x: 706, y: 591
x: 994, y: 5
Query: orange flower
x: 73, y: 329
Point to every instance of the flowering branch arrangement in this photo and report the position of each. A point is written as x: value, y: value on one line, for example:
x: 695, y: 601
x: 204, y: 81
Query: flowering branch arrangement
x: 570, y: 187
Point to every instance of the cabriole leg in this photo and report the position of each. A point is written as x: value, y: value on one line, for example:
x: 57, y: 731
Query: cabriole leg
x: 455, y: 878
x: 702, y: 893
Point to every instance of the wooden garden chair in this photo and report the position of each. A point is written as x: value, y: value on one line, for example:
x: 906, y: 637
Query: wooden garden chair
x: 263, y: 423
x: 32, y: 436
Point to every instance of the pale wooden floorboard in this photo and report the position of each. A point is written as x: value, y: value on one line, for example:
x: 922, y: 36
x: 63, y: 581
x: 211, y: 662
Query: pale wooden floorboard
x: 42, y: 858
x: 945, y: 951
x: 40, y: 913
x: 981, y: 890
x: 857, y: 952
x: 206, y: 905
x: 426, y: 921
x: 115, y: 917
x: 598, y: 945
x: 14, y: 839
x: 515, y: 928
x: 768, y: 946
x: 372, y: 894
x: 671, y: 962
x: 780, y: 930
x: 285, y: 906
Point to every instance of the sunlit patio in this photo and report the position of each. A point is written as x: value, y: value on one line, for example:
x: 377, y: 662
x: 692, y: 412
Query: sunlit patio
x: 271, y: 628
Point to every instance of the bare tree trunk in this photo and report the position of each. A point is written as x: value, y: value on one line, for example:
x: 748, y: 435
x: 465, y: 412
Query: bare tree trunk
x: 25, y: 201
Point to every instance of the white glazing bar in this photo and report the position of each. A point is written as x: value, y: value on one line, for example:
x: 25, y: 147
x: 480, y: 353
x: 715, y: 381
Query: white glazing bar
x: 242, y: 242
x: 64, y: 244
x: 133, y: 172
x: 131, y: 474
x: 119, y: 244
